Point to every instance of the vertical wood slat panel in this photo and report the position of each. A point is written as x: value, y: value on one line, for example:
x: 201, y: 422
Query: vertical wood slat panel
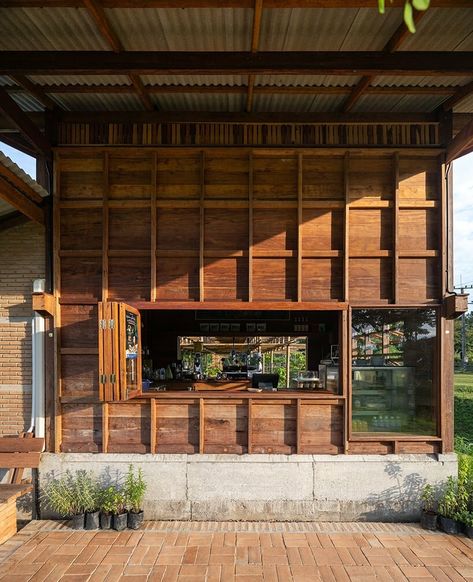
x: 105, y: 427
x: 250, y: 426
x: 299, y: 226
x: 346, y: 241
x: 396, y: 228
x: 154, y: 221
x: 299, y: 420
x: 57, y: 318
x: 105, y: 226
x: 201, y: 227
x: 201, y: 426
x: 115, y: 350
x: 345, y: 335
x: 250, y: 227
x: 154, y: 428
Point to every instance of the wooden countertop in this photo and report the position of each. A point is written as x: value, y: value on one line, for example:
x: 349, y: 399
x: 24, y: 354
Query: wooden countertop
x: 224, y: 395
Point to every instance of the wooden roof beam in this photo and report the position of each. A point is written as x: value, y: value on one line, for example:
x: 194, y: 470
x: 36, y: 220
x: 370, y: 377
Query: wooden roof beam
x: 225, y: 3
x: 35, y: 90
x: 226, y: 62
x: 393, y: 44
x: 98, y: 15
x: 11, y: 110
x: 462, y: 94
x: 255, y: 38
x: 461, y: 144
x: 20, y: 201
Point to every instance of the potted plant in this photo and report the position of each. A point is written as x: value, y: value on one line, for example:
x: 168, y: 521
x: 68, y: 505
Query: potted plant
x: 467, y: 521
x: 428, y: 518
x: 107, y: 506
x: 64, y: 496
x: 135, y: 488
x: 448, y: 507
x: 119, y: 513
x: 90, y: 494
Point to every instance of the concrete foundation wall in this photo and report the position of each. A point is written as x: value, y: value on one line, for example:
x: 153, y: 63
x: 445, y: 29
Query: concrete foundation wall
x: 270, y: 487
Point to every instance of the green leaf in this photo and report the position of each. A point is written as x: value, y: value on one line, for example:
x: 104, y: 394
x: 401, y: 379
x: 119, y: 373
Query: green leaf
x: 421, y: 4
x: 381, y: 6
x: 408, y: 17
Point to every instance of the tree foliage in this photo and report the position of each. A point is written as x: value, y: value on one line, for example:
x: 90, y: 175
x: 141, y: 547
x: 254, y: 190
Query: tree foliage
x: 469, y: 337
x: 410, y: 6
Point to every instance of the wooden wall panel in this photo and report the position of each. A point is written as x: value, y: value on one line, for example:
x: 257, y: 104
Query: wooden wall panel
x: 418, y: 230
x: 178, y: 176
x: 274, y: 428
x: 370, y: 280
x: 371, y: 179
x: 274, y: 279
x: 79, y: 326
x: 226, y: 177
x: 225, y: 229
x: 178, y: 229
x: 130, y: 176
x: 418, y: 179
x: 275, y: 178
x: 81, y: 428
x: 226, y: 428
x: 226, y: 279
x: 370, y: 230
x: 81, y: 278
x: 177, y: 428
x: 178, y: 279
x: 129, y: 428
x: 80, y: 375
x: 322, y: 230
x: 82, y: 176
x: 321, y: 429
x: 81, y: 229
x: 322, y: 280
x: 276, y: 234
x: 420, y: 280
x: 129, y: 278
x: 323, y: 178
x: 130, y: 229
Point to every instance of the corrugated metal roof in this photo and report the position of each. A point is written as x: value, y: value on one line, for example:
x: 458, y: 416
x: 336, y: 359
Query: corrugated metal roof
x: 6, y: 208
x: 398, y: 103
x: 296, y: 103
x: 391, y: 81
x: 197, y: 102
x: 199, y: 80
x: 327, y: 103
x: 27, y: 102
x: 98, y: 102
x: 465, y: 106
x: 306, y: 80
x: 183, y: 29
x: 48, y: 29
x: 442, y: 29
x: 81, y: 79
x: 4, y: 81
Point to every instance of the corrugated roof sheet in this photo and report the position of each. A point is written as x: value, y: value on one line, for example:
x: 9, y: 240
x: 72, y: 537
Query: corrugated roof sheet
x: 27, y: 102
x: 183, y: 29
x: 80, y: 79
x: 465, y: 106
x: 199, y: 80
x: 6, y: 208
x: 48, y: 29
x: 392, y: 81
x: 98, y: 102
x: 196, y: 102
x: 442, y: 29
x: 306, y: 80
x: 296, y: 103
x: 398, y: 103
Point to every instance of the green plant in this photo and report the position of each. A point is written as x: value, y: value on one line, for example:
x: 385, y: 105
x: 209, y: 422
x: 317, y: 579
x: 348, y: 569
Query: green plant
x: 107, y: 499
x: 448, y: 502
x: 409, y: 7
x: 428, y: 499
x: 71, y: 494
x: 465, y: 517
x: 134, y: 489
x: 117, y: 502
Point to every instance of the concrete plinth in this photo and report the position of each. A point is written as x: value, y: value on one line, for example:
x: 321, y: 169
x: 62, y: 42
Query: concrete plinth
x: 270, y: 487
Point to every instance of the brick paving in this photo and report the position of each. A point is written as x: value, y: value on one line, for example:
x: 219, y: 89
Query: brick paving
x: 236, y: 552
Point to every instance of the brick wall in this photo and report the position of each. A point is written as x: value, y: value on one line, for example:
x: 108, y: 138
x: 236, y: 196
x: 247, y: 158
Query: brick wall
x: 21, y: 261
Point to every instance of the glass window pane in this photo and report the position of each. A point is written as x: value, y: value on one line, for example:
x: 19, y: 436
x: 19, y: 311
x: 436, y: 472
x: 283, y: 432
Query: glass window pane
x: 393, y: 371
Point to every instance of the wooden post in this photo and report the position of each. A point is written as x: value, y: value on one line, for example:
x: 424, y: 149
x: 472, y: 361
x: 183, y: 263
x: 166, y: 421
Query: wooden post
x: 153, y: 426
x: 201, y: 426
x: 346, y: 243
x: 201, y: 227
x: 299, y: 420
x: 299, y: 225
x: 288, y: 363
x: 250, y: 426
x: 250, y: 227
x: 57, y: 320
x: 154, y: 227
x: 396, y: 228
x: 105, y: 431
x: 105, y: 227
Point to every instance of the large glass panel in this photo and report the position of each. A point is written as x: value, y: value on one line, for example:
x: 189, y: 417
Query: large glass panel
x: 393, y: 371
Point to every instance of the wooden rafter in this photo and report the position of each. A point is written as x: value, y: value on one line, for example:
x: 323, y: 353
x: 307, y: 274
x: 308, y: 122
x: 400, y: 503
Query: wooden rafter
x: 240, y: 89
x: 36, y: 90
x: 392, y: 45
x: 12, y: 219
x: 225, y: 62
x: 461, y: 94
x: 255, y: 38
x: 97, y: 13
x: 227, y: 3
x: 26, y: 126
x: 462, y: 143
x: 18, y: 199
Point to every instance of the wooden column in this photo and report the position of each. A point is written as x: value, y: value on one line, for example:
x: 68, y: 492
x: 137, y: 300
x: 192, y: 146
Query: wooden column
x: 299, y: 225
x: 202, y: 227
x: 105, y: 431
x: 153, y: 420
x: 396, y: 228
x: 288, y: 363
x: 201, y: 426
x: 346, y: 239
x: 250, y: 227
x: 154, y: 227
x: 57, y: 426
x: 250, y: 426
x: 105, y: 227
x: 298, y: 425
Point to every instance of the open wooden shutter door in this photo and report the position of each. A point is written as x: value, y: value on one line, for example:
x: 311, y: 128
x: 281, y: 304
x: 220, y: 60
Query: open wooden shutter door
x: 119, y: 351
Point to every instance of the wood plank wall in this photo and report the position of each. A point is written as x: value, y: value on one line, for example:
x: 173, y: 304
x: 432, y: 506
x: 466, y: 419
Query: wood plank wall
x: 319, y: 226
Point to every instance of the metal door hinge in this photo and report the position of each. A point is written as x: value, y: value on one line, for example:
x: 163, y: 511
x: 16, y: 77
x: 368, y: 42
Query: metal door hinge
x: 111, y: 323
x: 103, y: 378
x: 113, y: 378
x: 102, y: 324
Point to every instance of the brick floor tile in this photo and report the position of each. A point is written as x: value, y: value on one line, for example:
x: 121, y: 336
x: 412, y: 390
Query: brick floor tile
x: 85, y: 554
x: 326, y: 556
x: 248, y: 579
x: 98, y: 555
x: 157, y: 574
x: 43, y: 573
x: 138, y: 554
x: 221, y: 559
x: 152, y: 539
x: 284, y: 573
x: 453, y: 574
x: 114, y: 573
x: 172, y: 550
x: 182, y: 539
x: 372, y: 540
x: 325, y: 540
x: 358, y: 556
x: 222, y: 551
x: 295, y: 541
x: 249, y: 570
x: 56, y: 573
x: 100, y: 573
x: 24, y: 568
x: 134, y: 578
x: 218, y: 539
x: 229, y: 539
x: 293, y: 556
x: 116, y: 559
x: 276, y: 560
x: 396, y: 573
x: 247, y: 539
x: 136, y: 570
x: 120, y: 551
x: 254, y: 555
x: 203, y: 555
x: 416, y: 572
x: 360, y: 572
x: 242, y: 554
x: 313, y: 540
x: 81, y: 569
x: 343, y: 541
x: 227, y: 573
x: 345, y: 557
x: 277, y: 540
x: 134, y: 538
x: 438, y: 574
x: 410, y: 557
x: 307, y: 557
x: 305, y: 573
x: 182, y: 578
x: 270, y: 573
x: 169, y: 560
x: 199, y: 539
x: 193, y: 570
x: 170, y: 538
x: 213, y: 573
x: 265, y: 540
x: 466, y: 572
x: 189, y: 555
x: 75, y: 578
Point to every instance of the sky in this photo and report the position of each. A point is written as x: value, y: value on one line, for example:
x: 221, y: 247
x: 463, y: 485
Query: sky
x: 462, y: 207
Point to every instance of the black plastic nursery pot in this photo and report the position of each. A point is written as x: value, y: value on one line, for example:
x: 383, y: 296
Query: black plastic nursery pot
x: 77, y: 521
x: 469, y: 531
x: 105, y: 520
x: 119, y: 521
x: 428, y: 520
x: 135, y: 519
x: 448, y: 525
x: 92, y: 520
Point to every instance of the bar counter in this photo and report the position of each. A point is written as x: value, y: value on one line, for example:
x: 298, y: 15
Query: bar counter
x: 212, y: 421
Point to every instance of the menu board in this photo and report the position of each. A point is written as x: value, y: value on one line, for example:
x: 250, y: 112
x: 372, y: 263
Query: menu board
x: 131, y: 348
